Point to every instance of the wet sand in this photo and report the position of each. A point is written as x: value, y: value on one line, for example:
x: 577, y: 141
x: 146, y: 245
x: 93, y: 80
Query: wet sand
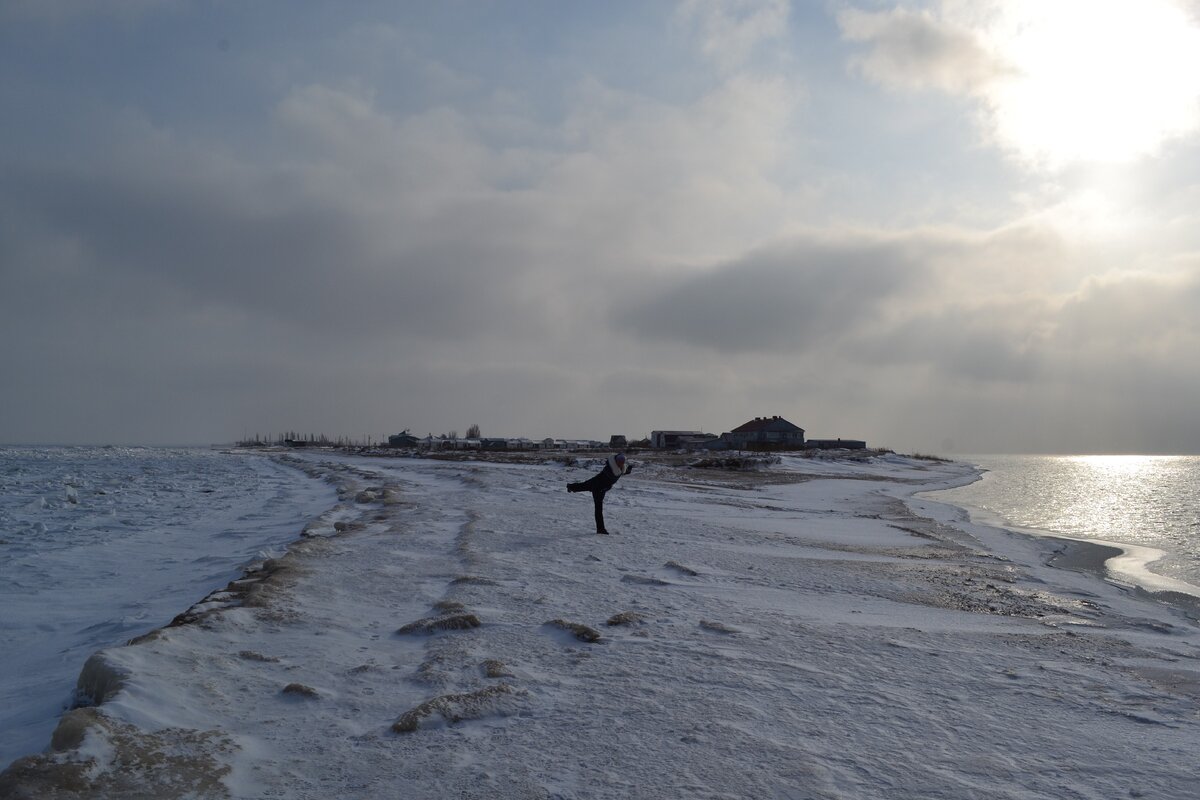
x: 1081, y: 556
x: 1090, y: 557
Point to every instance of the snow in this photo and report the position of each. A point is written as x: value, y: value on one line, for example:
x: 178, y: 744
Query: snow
x: 99, y: 545
x: 816, y: 630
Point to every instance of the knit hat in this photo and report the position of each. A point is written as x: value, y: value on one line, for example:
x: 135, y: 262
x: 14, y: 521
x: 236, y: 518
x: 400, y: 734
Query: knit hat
x: 620, y: 458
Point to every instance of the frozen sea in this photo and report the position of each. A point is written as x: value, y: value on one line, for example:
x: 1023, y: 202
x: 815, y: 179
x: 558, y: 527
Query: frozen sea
x: 1146, y: 505
x: 101, y: 544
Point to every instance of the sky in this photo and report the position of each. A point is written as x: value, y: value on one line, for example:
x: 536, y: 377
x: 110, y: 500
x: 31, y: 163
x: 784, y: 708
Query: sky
x: 944, y: 227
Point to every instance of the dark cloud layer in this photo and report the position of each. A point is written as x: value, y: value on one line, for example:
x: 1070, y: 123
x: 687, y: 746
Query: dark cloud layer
x: 145, y: 240
x: 792, y: 296
x: 913, y: 49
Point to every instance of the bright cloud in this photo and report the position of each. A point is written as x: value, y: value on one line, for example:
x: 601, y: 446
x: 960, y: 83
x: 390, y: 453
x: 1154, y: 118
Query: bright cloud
x: 1062, y: 82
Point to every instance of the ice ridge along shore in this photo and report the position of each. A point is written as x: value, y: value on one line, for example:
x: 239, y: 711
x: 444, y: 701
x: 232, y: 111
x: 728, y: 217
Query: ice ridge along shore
x: 812, y: 630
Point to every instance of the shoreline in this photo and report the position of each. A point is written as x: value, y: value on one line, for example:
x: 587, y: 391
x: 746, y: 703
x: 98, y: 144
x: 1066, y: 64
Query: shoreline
x: 106, y: 544
x: 733, y: 612
x: 1094, y: 557
x: 1081, y: 556
x: 1116, y: 563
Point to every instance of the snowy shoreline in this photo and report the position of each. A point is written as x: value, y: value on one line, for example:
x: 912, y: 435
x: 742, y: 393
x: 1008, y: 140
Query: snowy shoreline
x: 813, y: 630
x: 104, y: 544
x: 1120, y: 562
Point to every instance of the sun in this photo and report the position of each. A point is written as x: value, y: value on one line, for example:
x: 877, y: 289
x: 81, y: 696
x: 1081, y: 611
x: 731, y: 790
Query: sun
x: 1093, y: 80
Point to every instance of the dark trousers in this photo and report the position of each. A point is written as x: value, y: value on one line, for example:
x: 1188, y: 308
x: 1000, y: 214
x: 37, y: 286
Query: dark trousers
x: 597, y: 498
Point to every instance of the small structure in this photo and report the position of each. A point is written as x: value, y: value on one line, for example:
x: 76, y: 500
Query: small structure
x: 434, y: 443
x: 766, y: 433
x: 661, y: 440
x: 402, y: 439
x: 575, y: 445
x: 836, y: 444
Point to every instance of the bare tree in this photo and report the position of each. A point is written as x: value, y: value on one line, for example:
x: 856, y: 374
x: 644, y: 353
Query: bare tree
x: 473, y: 432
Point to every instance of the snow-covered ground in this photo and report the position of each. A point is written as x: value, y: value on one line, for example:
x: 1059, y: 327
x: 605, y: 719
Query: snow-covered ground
x: 100, y: 544
x: 812, y: 631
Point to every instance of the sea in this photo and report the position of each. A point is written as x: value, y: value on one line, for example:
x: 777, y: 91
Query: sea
x: 1149, y: 506
x: 102, y: 544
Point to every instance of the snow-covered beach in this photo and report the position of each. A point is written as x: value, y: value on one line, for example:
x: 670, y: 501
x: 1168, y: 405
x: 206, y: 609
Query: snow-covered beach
x: 811, y: 630
x: 102, y: 544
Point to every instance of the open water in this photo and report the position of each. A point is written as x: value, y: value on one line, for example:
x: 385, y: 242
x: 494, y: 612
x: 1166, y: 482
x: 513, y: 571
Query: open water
x: 101, y: 544
x: 1148, y: 504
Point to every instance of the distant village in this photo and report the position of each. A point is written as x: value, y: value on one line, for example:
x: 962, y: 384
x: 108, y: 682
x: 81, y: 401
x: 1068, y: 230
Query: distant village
x: 758, y: 434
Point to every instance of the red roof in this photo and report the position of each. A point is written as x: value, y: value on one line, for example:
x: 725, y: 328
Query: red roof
x: 761, y: 424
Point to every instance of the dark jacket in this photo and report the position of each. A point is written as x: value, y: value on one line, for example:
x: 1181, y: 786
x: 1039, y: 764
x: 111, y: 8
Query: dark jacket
x: 605, y: 478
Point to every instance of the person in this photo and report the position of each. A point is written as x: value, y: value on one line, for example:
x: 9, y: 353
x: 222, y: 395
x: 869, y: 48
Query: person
x: 600, y: 483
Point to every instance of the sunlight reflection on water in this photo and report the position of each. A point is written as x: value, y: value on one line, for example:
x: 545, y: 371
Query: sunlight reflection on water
x: 1150, y: 501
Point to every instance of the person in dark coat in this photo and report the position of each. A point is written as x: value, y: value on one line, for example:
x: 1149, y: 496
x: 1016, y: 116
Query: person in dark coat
x: 601, y: 482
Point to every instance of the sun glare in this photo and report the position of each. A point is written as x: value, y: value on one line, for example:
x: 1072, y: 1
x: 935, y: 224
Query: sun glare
x: 1094, y: 80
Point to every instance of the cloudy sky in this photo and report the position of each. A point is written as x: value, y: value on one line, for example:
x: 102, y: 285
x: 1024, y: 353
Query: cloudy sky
x: 954, y: 226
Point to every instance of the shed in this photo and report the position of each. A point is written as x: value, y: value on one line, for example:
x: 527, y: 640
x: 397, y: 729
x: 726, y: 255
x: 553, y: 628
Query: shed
x: 836, y: 444
x: 670, y: 439
x: 402, y: 439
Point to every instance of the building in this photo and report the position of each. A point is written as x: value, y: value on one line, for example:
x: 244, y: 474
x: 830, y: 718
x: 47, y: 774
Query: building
x: 766, y: 433
x: 574, y: 445
x: 836, y: 444
x: 671, y: 439
x: 402, y: 439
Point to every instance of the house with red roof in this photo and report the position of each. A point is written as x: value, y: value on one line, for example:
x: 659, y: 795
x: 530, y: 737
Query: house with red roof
x: 767, y: 433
